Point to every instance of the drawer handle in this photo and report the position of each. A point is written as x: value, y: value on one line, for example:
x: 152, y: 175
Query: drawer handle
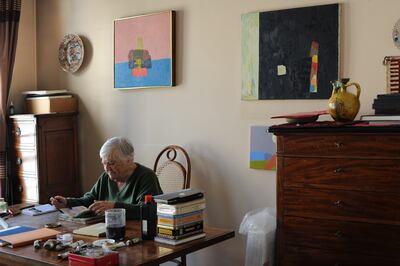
x: 338, y: 144
x: 18, y: 161
x: 338, y: 203
x: 338, y: 233
x: 17, y: 131
x: 338, y: 170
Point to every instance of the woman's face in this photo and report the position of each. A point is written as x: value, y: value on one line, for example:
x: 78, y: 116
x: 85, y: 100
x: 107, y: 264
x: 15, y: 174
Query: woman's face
x: 115, y: 167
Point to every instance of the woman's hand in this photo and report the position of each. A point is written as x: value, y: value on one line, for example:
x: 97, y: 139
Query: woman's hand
x: 99, y: 207
x: 59, y: 202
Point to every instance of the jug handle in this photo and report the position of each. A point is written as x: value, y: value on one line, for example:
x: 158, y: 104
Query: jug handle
x: 357, y: 86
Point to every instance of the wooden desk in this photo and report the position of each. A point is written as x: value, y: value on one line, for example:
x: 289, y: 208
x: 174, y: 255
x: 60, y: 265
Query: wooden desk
x: 144, y: 253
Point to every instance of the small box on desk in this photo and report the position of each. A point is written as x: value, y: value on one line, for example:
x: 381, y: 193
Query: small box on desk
x: 51, y: 104
x: 109, y: 259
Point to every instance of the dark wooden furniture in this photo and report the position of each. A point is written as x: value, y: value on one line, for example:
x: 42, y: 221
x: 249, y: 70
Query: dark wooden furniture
x: 338, y: 195
x: 144, y: 253
x: 46, y: 155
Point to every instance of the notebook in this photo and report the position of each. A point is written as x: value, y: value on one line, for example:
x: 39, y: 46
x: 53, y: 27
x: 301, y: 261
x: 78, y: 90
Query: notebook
x: 12, y: 231
x: 96, y: 230
x: 26, y: 238
x: 39, y: 209
x: 180, y: 196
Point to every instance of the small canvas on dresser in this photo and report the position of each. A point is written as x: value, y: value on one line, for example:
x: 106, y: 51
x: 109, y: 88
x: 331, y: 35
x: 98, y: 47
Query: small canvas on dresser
x: 291, y: 53
x: 144, y: 51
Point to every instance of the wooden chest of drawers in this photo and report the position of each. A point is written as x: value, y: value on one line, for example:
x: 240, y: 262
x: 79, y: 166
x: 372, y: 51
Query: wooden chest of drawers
x: 45, y: 156
x: 338, y: 196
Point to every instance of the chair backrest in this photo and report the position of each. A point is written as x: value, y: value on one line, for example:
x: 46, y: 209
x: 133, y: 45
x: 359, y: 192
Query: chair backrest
x: 173, y: 174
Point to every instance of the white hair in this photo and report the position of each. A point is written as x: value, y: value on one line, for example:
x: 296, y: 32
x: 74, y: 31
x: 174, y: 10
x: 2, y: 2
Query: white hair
x: 122, y: 145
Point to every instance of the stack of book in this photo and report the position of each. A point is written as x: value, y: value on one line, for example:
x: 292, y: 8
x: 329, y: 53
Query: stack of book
x: 180, y: 216
x: 387, y: 104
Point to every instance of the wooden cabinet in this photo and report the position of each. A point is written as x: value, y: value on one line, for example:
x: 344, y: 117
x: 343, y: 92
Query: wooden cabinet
x: 338, y: 196
x: 45, y: 155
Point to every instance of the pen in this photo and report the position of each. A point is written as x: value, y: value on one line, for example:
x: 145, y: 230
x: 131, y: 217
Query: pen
x: 27, y: 207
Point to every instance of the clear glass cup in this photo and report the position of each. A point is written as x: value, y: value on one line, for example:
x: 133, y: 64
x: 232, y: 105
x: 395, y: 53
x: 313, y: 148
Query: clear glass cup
x: 115, y: 224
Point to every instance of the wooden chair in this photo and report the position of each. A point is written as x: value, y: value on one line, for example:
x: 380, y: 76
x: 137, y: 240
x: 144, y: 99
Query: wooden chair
x: 173, y: 174
x: 173, y: 168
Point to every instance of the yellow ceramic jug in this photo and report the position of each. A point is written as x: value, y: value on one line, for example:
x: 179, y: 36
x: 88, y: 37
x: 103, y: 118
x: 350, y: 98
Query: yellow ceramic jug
x: 344, y: 106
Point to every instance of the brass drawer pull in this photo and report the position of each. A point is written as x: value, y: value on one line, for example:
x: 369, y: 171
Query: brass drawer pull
x: 338, y: 170
x: 338, y: 144
x: 338, y: 233
x: 18, y: 161
x: 17, y: 131
x: 338, y: 203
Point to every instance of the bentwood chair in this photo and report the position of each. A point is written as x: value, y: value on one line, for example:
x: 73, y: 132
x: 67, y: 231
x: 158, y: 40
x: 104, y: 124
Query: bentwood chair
x: 172, y: 167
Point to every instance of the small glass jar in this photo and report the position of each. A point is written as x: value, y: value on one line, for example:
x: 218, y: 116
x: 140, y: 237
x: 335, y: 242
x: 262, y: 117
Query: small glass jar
x: 65, y: 239
x: 3, y: 206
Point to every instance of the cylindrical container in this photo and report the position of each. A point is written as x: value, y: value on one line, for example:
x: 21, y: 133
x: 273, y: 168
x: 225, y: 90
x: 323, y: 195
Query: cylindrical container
x: 3, y: 205
x: 148, y: 218
x: 115, y: 224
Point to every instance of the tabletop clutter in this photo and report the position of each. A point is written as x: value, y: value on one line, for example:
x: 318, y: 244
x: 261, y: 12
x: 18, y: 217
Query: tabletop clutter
x: 172, y: 218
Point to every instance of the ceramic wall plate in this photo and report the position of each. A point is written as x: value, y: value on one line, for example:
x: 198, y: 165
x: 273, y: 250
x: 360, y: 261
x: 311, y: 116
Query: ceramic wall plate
x: 70, y: 53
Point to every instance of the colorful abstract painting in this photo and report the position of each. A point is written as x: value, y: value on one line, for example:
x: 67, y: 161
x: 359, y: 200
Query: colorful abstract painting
x: 262, y: 149
x: 290, y: 54
x: 144, y: 51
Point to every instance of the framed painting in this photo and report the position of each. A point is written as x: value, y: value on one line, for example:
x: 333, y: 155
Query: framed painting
x: 262, y: 149
x: 144, y: 51
x: 291, y: 53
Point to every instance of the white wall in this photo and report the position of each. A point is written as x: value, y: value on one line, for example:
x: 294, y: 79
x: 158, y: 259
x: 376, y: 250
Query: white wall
x: 203, y: 112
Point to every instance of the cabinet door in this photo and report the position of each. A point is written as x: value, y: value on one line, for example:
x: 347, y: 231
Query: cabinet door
x: 57, y: 144
x: 29, y: 189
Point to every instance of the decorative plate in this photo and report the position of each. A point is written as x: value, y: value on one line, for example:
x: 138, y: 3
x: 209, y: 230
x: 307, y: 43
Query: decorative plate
x: 70, y: 53
x: 302, y: 118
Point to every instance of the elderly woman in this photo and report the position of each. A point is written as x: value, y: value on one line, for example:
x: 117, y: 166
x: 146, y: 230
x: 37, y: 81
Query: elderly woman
x: 123, y: 184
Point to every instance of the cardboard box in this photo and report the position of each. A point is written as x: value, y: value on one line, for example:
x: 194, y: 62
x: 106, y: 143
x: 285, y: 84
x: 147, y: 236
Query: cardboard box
x: 51, y: 104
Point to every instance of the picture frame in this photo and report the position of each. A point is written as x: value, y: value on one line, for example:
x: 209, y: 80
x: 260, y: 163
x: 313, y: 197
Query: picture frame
x: 144, y: 51
x: 290, y: 53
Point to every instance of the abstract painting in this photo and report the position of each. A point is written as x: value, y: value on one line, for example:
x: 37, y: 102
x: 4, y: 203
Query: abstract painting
x: 290, y: 54
x: 144, y: 51
x: 262, y: 149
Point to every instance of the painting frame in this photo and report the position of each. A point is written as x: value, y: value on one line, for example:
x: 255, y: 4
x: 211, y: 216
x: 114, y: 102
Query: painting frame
x: 144, y: 51
x: 291, y: 53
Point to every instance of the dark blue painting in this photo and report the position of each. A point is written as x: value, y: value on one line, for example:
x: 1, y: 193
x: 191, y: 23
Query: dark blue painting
x: 290, y: 54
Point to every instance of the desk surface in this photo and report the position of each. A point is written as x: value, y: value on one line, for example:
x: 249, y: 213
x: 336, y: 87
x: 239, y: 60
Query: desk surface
x: 144, y: 253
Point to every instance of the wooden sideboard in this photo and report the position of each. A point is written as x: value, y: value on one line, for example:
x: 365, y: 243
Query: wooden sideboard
x: 338, y: 195
x: 45, y: 155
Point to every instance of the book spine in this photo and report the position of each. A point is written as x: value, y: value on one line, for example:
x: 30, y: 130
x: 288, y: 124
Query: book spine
x: 180, y: 231
x: 175, y: 222
x: 180, y: 237
x: 186, y: 209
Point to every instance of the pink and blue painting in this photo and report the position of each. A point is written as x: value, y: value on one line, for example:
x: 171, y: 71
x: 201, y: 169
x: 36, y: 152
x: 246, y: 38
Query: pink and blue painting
x: 144, y: 51
x: 262, y: 149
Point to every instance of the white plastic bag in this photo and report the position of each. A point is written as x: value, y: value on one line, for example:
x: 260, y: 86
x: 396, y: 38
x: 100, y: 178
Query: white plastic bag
x: 259, y: 225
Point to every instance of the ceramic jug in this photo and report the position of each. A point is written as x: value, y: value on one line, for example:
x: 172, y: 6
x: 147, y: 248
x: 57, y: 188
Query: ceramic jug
x: 344, y: 106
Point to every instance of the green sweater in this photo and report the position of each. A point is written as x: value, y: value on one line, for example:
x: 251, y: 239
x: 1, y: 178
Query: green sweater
x: 142, y: 182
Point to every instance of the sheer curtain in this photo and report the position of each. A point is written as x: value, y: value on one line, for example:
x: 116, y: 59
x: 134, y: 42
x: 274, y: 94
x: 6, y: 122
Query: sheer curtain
x: 9, y: 19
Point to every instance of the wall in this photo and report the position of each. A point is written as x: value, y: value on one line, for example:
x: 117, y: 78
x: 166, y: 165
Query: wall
x: 203, y: 112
